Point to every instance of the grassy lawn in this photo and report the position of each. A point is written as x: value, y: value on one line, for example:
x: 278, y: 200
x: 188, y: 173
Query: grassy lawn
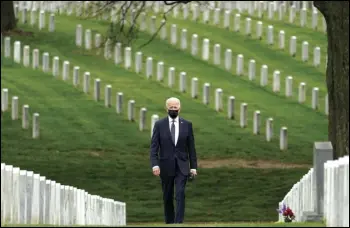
x: 86, y: 145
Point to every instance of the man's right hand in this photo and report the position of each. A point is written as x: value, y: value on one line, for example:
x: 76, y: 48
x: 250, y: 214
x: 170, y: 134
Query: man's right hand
x: 156, y: 171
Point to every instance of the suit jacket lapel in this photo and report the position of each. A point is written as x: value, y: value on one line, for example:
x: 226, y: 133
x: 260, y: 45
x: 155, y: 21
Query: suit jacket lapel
x: 181, y: 126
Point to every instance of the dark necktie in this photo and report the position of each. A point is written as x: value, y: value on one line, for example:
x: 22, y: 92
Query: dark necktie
x: 172, y: 131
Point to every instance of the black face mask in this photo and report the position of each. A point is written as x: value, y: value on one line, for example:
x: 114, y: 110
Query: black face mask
x: 173, y: 113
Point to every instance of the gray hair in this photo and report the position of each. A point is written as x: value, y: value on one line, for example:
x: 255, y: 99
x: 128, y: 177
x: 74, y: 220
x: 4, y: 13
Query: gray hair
x: 172, y: 99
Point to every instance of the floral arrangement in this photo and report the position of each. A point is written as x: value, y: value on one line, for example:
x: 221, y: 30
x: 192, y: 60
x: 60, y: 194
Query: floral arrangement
x: 287, y: 213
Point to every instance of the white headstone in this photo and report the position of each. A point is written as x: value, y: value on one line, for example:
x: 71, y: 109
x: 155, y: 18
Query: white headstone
x: 26, y: 56
x: 269, y: 129
x: 119, y: 103
x: 239, y: 65
x: 108, y: 96
x: 184, y: 39
x: 86, y: 84
x: 138, y: 62
x: 305, y: 51
x: 289, y: 86
x: 281, y: 40
x: 228, y: 59
x: 182, y: 82
x: 293, y: 46
x: 218, y: 100
x: 55, y: 66
x: 76, y: 76
x: 142, y: 123
x: 243, y: 115
x: 87, y: 39
x: 173, y: 34
x: 231, y: 107
x: 194, y: 45
x: 283, y: 138
x: 14, y: 108
x: 35, y: 59
x: 160, y: 71
x: 205, y: 49
x: 97, y: 86
x: 276, y: 81
x: 52, y: 23
x: 127, y: 58
x: 25, y: 116
x: 17, y: 52
x: 259, y: 30
x: 217, y: 54
x: 315, y: 102
x: 251, y: 70
x: 131, y: 110
x: 270, y: 38
x: 237, y: 23
x: 149, y: 67
x: 171, y: 77
x: 248, y: 26
x: 36, y: 126
x: 317, y: 56
x: 256, y: 123
x: 4, y: 99
x: 65, y: 70
x: 264, y: 75
x: 117, y: 53
x: 46, y: 64
x: 302, y: 92
x: 206, y: 93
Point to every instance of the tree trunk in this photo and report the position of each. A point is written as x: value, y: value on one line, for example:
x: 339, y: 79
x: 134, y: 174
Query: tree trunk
x: 8, y: 19
x: 336, y: 14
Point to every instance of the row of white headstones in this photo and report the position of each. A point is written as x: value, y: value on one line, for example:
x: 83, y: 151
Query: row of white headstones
x: 15, y: 112
x: 248, y: 32
x: 119, y: 96
x: 118, y: 59
x: 248, y: 29
x: 183, y: 88
x: 65, y: 73
x: 228, y: 57
x: 29, y: 198
x: 240, y: 60
x: 259, y: 8
x: 216, y: 59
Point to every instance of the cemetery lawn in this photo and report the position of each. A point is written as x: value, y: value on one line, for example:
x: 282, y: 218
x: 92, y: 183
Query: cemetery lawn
x: 86, y: 145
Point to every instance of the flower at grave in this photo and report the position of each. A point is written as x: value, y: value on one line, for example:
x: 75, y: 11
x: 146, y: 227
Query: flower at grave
x: 287, y: 213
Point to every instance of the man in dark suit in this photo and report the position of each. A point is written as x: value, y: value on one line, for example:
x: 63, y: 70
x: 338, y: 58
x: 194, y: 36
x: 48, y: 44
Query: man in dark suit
x: 173, y: 158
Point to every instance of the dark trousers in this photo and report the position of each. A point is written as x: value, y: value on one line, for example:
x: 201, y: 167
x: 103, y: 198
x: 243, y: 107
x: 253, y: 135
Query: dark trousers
x: 168, y: 182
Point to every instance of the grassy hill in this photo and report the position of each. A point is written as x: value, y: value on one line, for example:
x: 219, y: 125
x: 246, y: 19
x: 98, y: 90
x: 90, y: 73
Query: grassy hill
x: 241, y: 176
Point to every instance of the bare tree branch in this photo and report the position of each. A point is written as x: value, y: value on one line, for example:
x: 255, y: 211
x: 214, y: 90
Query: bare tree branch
x: 123, y: 29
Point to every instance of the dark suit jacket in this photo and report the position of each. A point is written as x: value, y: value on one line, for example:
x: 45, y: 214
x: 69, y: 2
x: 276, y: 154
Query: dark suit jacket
x: 184, y: 152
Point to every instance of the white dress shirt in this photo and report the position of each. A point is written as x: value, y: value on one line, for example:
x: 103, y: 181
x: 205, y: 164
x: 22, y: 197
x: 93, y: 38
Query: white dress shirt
x: 176, y: 122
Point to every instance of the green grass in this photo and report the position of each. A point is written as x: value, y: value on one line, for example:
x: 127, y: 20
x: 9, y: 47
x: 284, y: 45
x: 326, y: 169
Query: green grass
x: 89, y: 146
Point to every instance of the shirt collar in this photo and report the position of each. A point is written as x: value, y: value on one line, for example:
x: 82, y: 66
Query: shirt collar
x: 171, y: 120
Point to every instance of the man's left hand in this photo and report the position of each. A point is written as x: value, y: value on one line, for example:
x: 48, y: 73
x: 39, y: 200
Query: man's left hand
x: 194, y: 172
